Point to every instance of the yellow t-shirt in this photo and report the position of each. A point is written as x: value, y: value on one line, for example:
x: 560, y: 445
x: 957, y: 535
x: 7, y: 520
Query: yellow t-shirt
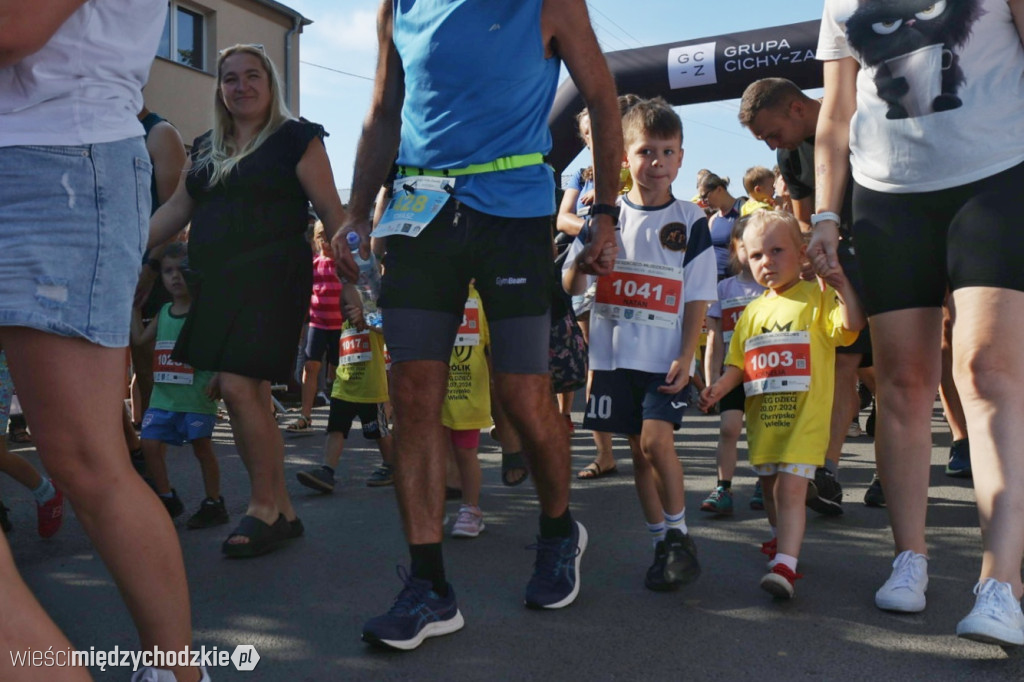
x: 361, y: 376
x: 468, y: 403
x: 752, y: 205
x: 789, y: 341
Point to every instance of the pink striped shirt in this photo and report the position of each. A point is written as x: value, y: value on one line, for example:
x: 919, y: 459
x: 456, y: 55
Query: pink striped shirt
x: 325, y: 303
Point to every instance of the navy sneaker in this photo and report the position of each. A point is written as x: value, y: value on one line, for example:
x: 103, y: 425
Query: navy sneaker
x: 959, y: 465
x: 556, y: 571
x: 418, y: 613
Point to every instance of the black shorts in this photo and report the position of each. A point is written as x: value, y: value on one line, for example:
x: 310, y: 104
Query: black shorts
x: 371, y: 416
x: 848, y: 261
x: 912, y: 247
x: 320, y: 342
x: 426, y: 280
x: 736, y: 399
x: 621, y: 399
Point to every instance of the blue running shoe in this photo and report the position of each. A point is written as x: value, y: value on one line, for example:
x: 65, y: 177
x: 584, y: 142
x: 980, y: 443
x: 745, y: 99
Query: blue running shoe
x: 556, y: 571
x: 959, y: 465
x: 418, y: 613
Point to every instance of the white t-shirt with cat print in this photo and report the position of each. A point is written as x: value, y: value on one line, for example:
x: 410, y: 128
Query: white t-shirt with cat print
x: 939, y: 93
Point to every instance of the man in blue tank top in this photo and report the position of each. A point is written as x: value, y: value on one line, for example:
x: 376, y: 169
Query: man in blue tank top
x: 462, y: 94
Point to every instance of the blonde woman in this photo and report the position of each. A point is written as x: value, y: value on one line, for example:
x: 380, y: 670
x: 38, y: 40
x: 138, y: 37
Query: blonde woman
x: 246, y: 190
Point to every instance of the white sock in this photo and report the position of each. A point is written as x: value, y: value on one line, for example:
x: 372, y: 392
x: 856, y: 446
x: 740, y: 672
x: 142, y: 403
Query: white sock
x: 45, y: 492
x: 784, y: 559
x: 775, y: 531
x: 656, y: 532
x: 677, y: 521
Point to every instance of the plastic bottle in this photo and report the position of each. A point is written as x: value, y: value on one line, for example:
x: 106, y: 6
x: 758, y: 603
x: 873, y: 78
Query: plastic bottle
x: 368, y: 282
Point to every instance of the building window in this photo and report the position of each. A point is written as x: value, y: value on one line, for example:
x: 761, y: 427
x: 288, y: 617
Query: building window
x: 184, y: 37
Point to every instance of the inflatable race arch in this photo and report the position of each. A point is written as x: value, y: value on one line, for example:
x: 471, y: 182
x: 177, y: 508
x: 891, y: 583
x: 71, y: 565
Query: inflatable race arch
x: 694, y: 71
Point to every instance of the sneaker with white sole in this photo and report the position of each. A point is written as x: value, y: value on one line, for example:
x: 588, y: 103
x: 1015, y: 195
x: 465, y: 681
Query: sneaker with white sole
x: 996, y: 617
x: 556, y: 571
x: 418, y: 613
x: 469, y: 523
x: 780, y: 581
x: 905, y: 588
x: 854, y: 431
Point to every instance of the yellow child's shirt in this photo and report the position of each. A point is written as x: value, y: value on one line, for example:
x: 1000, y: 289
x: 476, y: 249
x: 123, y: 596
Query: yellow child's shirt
x: 361, y: 375
x: 468, y: 402
x: 752, y: 205
x: 786, y: 341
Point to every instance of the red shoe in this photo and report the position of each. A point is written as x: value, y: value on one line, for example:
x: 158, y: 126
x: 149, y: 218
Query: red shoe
x: 780, y: 581
x: 51, y: 515
x: 568, y: 423
x: 771, y: 548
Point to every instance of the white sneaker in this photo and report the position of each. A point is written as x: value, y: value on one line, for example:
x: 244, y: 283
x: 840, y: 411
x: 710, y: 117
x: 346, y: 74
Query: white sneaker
x: 905, y: 588
x: 150, y: 674
x: 996, y: 617
x: 469, y: 523
x: 854, y: 431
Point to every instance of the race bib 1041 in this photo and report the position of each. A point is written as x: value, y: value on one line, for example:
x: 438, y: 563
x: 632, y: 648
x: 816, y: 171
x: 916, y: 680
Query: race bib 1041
x: 168, y: 371
x: 644, y: 293
x: 415, y: 202
x: 777, y: 362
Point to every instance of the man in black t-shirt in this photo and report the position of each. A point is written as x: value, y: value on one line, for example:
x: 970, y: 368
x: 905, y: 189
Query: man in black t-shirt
x: 777, y: 112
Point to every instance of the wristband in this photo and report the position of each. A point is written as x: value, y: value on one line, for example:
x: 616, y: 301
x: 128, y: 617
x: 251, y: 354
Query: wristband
x: 822, y: 216
x: 606, y: 209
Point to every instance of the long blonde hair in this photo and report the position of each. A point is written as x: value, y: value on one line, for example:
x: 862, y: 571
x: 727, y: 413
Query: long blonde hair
x: 221, y: 153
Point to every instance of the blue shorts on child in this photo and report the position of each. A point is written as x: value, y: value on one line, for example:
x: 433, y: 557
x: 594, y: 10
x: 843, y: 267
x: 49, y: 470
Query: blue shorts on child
x: 176, y: 428
x: 622, y: 399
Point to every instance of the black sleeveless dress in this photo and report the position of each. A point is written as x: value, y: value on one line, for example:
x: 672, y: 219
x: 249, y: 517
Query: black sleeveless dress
x: 250, y: 266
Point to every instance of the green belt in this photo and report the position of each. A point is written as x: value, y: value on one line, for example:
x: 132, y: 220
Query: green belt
x: 502, y: 164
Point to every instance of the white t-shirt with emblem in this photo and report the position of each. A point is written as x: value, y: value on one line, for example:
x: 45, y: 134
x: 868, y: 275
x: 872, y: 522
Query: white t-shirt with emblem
x: 658, y: 247
x: 905, y: 144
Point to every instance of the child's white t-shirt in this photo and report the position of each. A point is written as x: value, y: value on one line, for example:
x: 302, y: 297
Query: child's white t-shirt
x: 662, y: 243
x: 904, y: 145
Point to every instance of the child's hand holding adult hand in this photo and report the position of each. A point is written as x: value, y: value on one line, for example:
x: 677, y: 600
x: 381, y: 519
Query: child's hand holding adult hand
x: 675, y: 380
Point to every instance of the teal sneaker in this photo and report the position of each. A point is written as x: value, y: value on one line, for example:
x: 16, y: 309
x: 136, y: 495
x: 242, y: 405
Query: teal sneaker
x: 718, y: 502
x: 757, y: 499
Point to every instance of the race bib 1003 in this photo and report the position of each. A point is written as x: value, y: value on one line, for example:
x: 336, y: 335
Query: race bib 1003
x: 469, y: 330
x: 168, y: 371
x: 354, y: 347
x: 415, y: 202
x: 644, y: 293
x: 777, y: 362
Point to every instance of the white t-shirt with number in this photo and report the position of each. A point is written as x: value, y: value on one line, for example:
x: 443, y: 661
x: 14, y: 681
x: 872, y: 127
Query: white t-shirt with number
x: 665, y: 261
x: 961, y: 75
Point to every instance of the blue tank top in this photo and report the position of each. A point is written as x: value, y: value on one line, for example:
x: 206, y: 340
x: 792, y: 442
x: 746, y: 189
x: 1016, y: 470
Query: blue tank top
x: 477, y: 88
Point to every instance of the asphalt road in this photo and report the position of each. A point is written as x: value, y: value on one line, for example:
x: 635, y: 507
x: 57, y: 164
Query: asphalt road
x: 303, y: 607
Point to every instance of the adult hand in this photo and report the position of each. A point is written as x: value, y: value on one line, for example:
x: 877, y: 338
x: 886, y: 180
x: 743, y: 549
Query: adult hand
x: 598, y: 256
x: 822, y: 249
x: 343, y: 261
x: 213, y: 387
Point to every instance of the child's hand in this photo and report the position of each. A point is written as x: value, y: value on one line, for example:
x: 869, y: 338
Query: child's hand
x: 708, y: 398
x: 354, y: 314
x: 833, y: 276
x: 587, y: 198
x: 675, y: 380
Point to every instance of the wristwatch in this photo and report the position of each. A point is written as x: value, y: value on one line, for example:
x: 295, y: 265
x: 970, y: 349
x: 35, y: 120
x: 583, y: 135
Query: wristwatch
x: 606, y: 209
x: 821, y: 216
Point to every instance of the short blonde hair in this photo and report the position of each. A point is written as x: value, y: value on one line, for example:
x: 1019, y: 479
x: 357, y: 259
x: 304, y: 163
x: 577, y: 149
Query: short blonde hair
x: 763, y: 218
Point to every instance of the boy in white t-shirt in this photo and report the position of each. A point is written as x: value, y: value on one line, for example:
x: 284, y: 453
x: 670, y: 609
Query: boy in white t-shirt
x: 645, y: 325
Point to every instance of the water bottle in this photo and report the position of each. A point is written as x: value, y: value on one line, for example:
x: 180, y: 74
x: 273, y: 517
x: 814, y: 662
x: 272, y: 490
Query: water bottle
x: 368, y: 282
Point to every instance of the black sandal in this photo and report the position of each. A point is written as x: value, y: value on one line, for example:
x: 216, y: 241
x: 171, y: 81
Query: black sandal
x: 263, y: 537
x: 510, y: 463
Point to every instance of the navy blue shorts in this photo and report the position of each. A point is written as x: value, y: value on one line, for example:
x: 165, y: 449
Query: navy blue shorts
x: 622, y: 399
x: 321, y: 342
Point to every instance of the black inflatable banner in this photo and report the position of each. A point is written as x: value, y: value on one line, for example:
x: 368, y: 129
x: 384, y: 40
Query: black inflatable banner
x: 694, y: 71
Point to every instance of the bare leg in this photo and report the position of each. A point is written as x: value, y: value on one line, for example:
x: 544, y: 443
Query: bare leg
x: 470, y: 476
x: 260, y: 446
x: 17, y: 467
x: 142, y: 386
x: 656, y: 443
x: 728, y: 437
x: 72, y: 392
x: 154, y: 453
x: 647, y: 483
x: 768, y: 493
x: 845, y: 403
x: 202, y: 448
x: 790, y: 514
x: 907, y: 364
x: 527, y: 400
x: 418, y: 389
x: 951, y: 405
x: 990, y: 375
x: 310, y: 372
x: 333, y: 447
